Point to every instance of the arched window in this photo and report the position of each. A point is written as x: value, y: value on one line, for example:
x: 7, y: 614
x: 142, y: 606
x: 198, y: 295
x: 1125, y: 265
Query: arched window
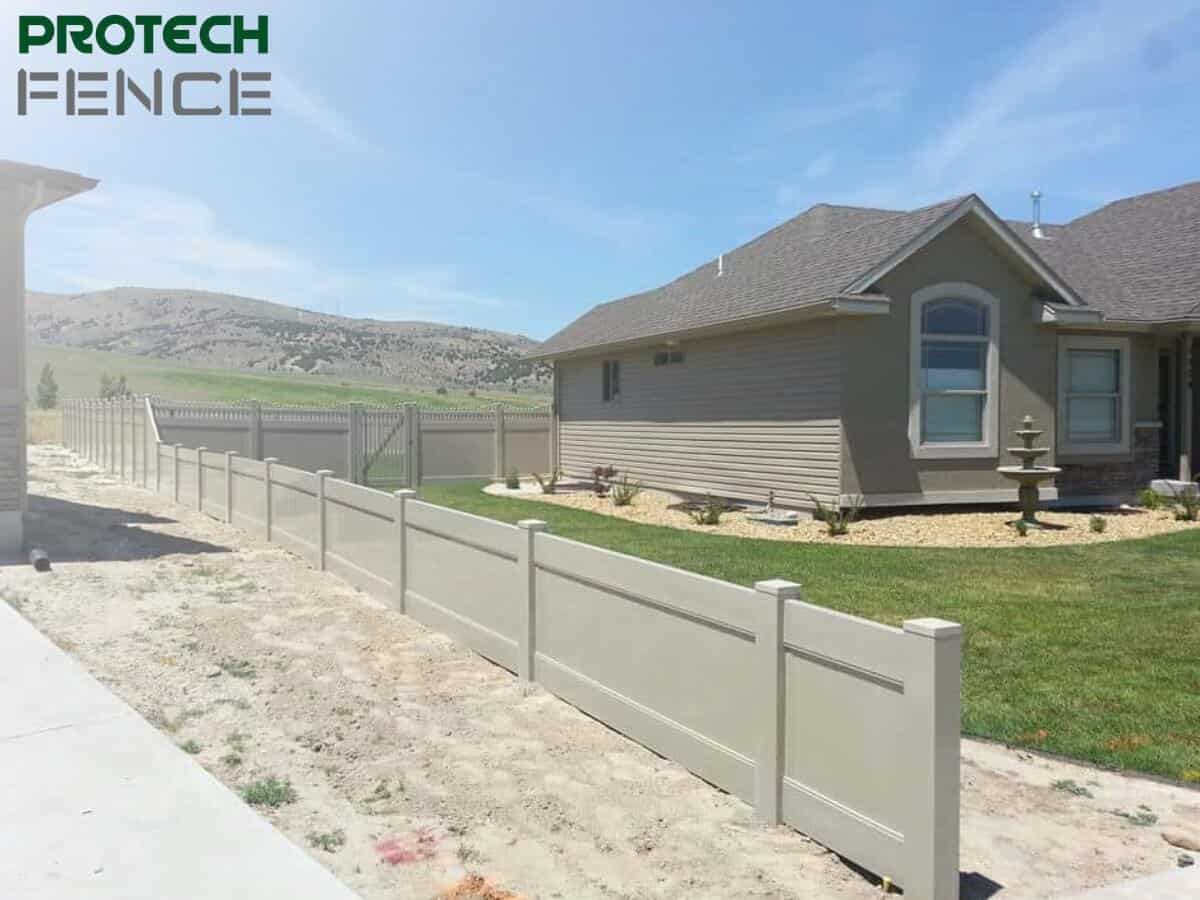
x: 954, y: 401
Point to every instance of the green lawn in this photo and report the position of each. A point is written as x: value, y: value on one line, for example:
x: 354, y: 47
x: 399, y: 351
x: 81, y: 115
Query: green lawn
x: 78, y: 374
x: 1092, y: 652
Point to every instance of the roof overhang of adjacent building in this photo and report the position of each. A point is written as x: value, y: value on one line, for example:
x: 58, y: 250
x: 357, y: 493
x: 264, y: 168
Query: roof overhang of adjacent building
x: 44, y: 186
x: 844, y: 305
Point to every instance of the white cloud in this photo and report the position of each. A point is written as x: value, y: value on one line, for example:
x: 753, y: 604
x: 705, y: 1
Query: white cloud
x: 290, y: 98
x: 129, y: 235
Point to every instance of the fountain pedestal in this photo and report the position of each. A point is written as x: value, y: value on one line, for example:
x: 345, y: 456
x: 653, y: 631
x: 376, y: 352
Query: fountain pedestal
x: 1028, y: 475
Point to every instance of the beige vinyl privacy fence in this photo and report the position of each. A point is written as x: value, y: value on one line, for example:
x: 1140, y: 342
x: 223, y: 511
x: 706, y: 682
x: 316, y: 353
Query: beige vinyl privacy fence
x: 842, y: 728
x: 385, y: 448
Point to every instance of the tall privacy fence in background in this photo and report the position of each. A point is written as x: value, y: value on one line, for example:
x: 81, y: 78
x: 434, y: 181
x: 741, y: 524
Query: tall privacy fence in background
x: 842, y: 728
x: 384, y: 448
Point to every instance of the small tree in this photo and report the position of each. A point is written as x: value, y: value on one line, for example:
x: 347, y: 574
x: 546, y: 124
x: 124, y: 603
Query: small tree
x: 113, y: 388
x: 47, y: 388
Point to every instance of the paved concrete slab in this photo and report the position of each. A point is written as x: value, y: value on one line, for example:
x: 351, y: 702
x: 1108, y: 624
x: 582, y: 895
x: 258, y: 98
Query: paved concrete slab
x: 96, y: 803
x: 1176, y: 885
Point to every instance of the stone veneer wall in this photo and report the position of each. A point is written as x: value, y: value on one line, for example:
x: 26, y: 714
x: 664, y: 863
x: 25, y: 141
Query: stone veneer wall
x: 1113, y: 478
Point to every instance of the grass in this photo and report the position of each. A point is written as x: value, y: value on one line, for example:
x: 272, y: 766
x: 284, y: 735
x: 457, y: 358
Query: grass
x: 78, y: 374
x: 272, y: 792
x: 1085, y: 651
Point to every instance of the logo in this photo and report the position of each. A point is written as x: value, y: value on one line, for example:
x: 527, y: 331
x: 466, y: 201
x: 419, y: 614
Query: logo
x: 101, y: 92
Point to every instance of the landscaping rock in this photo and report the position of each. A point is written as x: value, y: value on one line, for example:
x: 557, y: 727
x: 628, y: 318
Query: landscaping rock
x: 1182, y: 839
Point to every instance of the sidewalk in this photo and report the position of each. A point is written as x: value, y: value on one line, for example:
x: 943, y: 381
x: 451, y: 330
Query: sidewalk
x: 1177, y: 885
x: 98, y: 804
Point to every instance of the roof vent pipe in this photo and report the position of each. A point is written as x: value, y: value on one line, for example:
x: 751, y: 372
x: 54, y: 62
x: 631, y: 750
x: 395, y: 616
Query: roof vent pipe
x: 720, y: 265
x: 1036, y: 196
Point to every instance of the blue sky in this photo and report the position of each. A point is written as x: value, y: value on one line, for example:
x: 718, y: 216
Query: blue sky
x: 508, y: 165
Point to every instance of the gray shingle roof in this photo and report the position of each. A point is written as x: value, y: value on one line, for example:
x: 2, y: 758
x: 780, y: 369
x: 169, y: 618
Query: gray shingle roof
x: 1137, y: 259
x: 807, y: 259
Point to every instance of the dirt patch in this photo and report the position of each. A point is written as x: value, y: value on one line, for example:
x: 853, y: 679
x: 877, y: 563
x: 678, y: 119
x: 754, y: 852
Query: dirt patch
x: 912, y: 529
x: 417, y: 769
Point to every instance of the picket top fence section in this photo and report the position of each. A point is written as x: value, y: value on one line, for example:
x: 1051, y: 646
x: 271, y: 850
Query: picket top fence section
x: 840, y: 727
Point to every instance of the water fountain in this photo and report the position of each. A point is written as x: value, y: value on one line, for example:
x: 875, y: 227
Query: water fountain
x: 1027, y: 475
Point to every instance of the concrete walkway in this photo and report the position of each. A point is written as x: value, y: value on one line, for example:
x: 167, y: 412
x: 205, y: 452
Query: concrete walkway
x: 1176, y: 885
x: 96, y: 803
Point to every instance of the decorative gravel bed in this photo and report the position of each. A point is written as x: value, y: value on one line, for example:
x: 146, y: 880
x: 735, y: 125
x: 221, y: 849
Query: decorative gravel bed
x: 938, y: 528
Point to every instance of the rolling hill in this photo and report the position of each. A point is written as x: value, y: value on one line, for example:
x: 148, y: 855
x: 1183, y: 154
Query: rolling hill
x: 224, y: 331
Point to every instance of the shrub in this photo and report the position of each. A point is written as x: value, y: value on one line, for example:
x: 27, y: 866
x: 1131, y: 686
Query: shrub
x: 602, y: 477
x: 709, y: 512
x: 1022, y: 528
x: 512, y: 480
x: 547, y: 483
x: 273, y: 792
x: 624, y: 491
x: 47, y: 388
x: 1098, y: 524
x: 837, y: 519
x: 1187, y: 506
x: 113, y: 388
x: 1149, y: 499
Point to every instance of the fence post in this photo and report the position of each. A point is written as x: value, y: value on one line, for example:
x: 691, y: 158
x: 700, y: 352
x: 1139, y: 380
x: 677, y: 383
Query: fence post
x: 200, y: 451
x: 133, y: 455
x: 147, y: 433
x: 267, y: 512
x: 229, y: 455
x: 158, y: 467
x: 91, y: 430
x: 768, y: 651
x: 175, y: 474
x: 527, y: 629
x: 501, y: 468
x: 322, y: 518
x: 412, y: 444
x: 113, y: 431
x: 354, y: 444
x: 932, y: 697
x: 256, y: 435
x: 400, y: 523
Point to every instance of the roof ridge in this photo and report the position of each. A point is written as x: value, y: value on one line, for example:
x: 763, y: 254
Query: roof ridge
x: 952, y: 202
x: 1122, y: 201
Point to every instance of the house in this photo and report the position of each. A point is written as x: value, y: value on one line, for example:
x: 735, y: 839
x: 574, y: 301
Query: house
x: 23, y: 190
x: 889, y: 355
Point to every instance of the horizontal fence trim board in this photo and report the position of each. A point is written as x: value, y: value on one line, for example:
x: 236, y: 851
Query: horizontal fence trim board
x: 248, y: 468
x: 846, y: 668
x: 698, y: 597
x: 357, y: 497
x: 474, y: 531
x: 294, y: 479
x: 359, y: 576
x: 483, y: 640
x: 299, y: 546
x: 857, y: 646
x: 711, y: 761
x: 870, y: 844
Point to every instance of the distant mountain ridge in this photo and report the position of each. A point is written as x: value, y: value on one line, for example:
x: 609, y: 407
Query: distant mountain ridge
x: 231, y: 332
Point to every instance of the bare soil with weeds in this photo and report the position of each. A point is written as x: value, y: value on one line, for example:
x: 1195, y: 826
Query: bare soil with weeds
x: 411, y: 767
x: 880, y: 528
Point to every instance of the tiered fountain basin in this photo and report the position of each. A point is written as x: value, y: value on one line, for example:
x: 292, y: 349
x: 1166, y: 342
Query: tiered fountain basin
x: 1028, y: 475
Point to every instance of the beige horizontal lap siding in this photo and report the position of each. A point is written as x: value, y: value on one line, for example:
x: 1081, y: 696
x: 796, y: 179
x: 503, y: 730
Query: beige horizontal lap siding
x: 742, y: 415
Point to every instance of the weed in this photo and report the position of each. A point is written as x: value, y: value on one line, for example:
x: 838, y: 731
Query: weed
x: 233, y: 760
x: 273, y: 792
x: 512, y: 480
x: 1022, y: 528
x: 1149, y: 499
x: 709, y: 512
x: 624, y: 491
x: 1097, y: 524
x: 329, y: 841
x: 467, y: 854
x: 236, y: 741
x: 381, y: 792
x: 238, y: 668
x: 1142, y: 817
x: 1069, y: 786
x: 190, y: 746
x: 548, y: 483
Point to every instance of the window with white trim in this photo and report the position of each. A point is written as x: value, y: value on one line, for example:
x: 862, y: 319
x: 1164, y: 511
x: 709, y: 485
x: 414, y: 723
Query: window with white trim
x: 954, y: 379
x: 1093, y: 394
x: 611, y: 380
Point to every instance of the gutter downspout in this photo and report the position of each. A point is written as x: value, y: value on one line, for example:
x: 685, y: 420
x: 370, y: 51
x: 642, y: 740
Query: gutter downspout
x: 1187, y: 396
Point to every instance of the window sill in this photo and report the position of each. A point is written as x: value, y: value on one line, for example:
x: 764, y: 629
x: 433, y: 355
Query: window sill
x: 955, y: 451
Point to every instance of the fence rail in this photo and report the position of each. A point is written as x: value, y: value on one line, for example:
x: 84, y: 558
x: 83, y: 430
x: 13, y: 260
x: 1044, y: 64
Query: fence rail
x: 843, y: 728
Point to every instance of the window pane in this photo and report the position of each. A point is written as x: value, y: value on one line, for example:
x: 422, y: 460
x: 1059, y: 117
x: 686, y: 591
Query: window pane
x: 1094, y: 371
x: 1093, y: 419
x: 954, y: 317
x: 951, y: 419
x: 953, y: 366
